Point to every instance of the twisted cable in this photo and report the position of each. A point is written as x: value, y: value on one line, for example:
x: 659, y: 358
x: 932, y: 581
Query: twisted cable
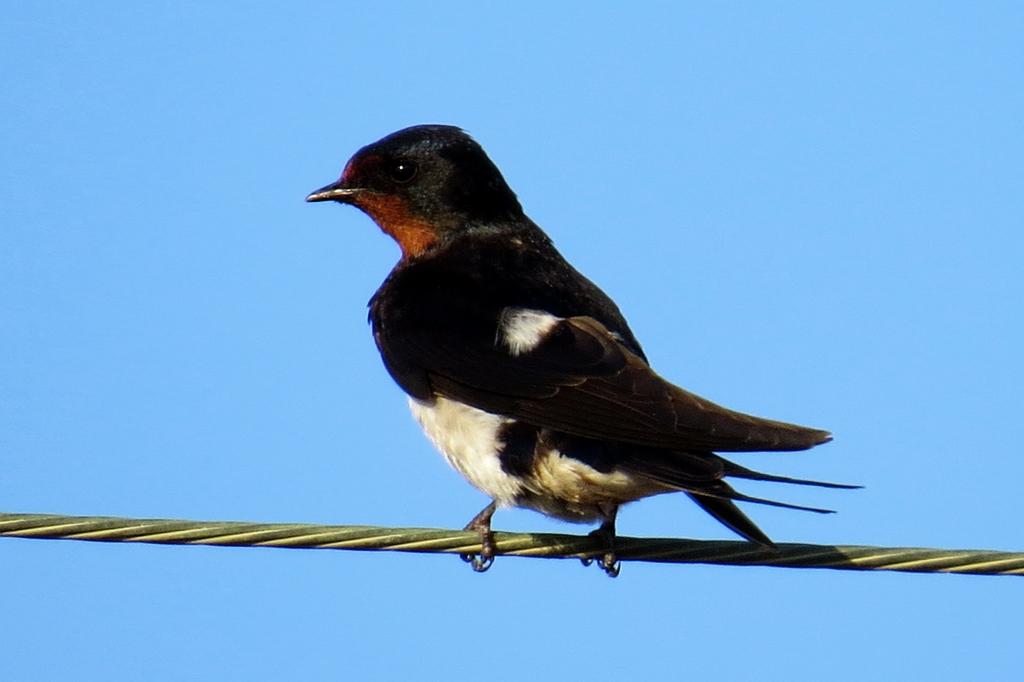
x: 543, y: 545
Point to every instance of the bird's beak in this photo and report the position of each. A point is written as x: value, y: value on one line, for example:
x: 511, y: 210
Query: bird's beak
x: 335, y: 192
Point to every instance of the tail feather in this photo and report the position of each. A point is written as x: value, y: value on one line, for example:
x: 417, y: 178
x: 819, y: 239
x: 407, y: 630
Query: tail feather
x: 730, y: 516
x: 718, y: 500
x: 734, y: 495
x: 737, y: 471
x: 701, y: 475
x: 723, y: 491
x: 705, y: 486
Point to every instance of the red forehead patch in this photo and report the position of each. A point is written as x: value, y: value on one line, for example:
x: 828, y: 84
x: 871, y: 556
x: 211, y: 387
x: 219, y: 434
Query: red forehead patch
x: 357, y: 164
x: 347, y: 174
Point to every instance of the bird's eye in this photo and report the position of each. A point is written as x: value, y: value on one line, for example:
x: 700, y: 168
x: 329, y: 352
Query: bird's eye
x: 403, y: 171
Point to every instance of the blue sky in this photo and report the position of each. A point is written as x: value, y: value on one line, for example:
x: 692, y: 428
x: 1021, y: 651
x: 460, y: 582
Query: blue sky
x: 808, y: 212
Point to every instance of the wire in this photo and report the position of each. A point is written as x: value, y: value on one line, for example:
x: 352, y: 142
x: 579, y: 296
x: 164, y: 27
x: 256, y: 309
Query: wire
x: 544, y: 545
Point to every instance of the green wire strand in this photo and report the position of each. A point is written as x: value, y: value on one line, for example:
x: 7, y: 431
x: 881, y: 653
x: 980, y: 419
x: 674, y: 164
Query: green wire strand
x: 544, y: 545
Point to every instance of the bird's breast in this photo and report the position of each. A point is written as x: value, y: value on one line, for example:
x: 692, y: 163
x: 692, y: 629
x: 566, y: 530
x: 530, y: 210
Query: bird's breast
x: 520, y: 465
x: 470, y: 441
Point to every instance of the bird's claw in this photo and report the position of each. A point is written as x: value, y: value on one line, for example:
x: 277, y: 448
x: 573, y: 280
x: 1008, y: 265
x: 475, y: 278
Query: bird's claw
x: 479, y: 562
x: 608, y: 562
x: 482, y: 560
x: 481, y: 523
x: 611, y: 565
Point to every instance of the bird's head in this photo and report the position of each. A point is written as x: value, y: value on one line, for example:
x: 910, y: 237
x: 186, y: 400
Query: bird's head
x: 422, y: 185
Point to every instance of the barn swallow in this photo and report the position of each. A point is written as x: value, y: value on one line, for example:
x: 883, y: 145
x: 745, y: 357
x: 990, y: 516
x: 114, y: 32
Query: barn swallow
x: 522, y: 372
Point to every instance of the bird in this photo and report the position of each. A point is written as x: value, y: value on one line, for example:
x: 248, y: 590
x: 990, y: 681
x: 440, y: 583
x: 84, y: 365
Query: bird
x: 521, y: 371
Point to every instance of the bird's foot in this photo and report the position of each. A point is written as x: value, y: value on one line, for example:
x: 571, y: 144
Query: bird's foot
x: 611, y: 565
x: 608, y: 561
x: 482, y: 560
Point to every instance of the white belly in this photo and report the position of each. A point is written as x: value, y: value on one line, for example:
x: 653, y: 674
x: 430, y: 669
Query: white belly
x: 468, y: 439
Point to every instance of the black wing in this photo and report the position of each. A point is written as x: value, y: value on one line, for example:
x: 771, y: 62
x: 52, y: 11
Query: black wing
x: 579, y: 380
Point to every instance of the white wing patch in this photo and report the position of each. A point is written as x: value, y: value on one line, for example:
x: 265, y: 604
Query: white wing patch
x: 521, y: 329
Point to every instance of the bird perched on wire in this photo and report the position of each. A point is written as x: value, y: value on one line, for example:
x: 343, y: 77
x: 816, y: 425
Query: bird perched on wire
x: 521, y: 371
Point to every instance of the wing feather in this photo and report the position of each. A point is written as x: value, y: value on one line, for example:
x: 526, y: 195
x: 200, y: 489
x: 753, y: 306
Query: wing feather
x: 580, y: 380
